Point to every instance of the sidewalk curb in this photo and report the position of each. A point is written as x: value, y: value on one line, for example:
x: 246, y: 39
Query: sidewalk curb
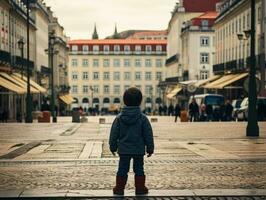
x: 131, y: 193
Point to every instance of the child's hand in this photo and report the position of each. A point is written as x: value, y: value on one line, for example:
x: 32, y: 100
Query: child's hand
x: 149, y: 155
x: 113, y: 153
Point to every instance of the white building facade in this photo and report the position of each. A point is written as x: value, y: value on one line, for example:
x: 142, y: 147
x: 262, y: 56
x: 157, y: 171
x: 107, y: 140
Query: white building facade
x: 101, y: 70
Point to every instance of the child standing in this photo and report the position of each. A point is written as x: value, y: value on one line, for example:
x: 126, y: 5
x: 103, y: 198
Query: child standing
x: 131, y: 135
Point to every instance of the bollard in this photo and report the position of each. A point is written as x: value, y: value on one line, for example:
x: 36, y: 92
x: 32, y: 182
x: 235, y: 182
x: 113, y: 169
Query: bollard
x: 102, y: 121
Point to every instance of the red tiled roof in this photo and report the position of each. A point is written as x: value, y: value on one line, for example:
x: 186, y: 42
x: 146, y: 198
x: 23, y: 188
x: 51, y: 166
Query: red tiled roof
x: 116, y: 41
x: 208, y: 15
x: 200, y: 5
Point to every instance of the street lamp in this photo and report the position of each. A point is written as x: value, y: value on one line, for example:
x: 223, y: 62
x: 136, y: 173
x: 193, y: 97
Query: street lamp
x: 51, y: 53
x: 252, y: 129
x: 21, y: 47
x: 29, y: 97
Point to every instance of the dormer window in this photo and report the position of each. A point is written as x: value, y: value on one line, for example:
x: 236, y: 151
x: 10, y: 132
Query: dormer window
x: 148, y: 49
x: 85, y: 48
x: 127, y: 49
x: 95, y: 49
x: 116, y: 48
x: 74, y: 48
x: 138, y: 49
x: 159, y: 48
x: 106, y: 48
x: 204, y: 23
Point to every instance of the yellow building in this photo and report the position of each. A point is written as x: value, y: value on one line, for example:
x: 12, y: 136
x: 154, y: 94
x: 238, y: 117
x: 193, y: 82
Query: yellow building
x: 101, y: 70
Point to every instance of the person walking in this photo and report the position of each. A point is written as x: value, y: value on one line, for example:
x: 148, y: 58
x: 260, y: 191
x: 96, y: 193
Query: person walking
x: 193, y: 111
x: 228, y: 111
x: 165, y: 110
x: 209, y: 112
x: 131, y: 135
x: 170, y: 110
x: 177, y: 111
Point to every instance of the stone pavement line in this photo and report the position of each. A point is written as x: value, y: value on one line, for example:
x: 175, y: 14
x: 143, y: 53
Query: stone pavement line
x: 86, y: 152
x: 71, y: 130
x: 131, y: 193
x: 207, y: 152
x: 97, y: 150
x: 33, y: 152
x: 20, y: 151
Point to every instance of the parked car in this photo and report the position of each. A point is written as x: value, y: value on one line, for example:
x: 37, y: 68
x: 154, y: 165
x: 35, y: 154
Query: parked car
x: 242, y: 113
x: 236, y: 103
x: 208, y: 99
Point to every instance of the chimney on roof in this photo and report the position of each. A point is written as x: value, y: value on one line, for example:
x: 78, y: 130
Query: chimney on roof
x: 95, y: 35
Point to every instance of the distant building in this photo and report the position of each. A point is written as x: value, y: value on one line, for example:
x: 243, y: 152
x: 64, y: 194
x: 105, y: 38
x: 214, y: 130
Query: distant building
x: 101, y: 70
x: 149, y: 35
x: 198, y: 46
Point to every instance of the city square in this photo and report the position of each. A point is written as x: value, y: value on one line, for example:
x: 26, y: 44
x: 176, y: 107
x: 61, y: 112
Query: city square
x: 74, y: 160
x: 93, y: 91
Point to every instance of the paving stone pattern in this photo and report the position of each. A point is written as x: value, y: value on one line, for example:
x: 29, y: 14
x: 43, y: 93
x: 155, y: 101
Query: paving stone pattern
x: 187, y: 156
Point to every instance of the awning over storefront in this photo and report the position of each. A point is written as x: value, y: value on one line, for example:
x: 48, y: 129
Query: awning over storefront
x: 225, y: 81
x: 188, y: 82
x: 201, y: 83
x: 11, y: 86
x: 32, y: 83
x: 67, y: 99
x: 16, y: 79
x: 174, y: 92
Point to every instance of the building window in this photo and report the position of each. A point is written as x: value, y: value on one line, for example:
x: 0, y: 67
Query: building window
x: 96, y: 89
x: 74, y: 48
x: 85, y: 75
x: 138, y: 63
x: 116, y: 76
x: 204, y: 58
x: 126, y: 87
x: 148, y: 76
x: 204, y: 74
x: 205, y: 23
x: 116, y: 48
x: 147, y: 62
x: 106, y: 75
x: 85, y: 89
x: 85, y: 48
x: 127, y: 49
x: 138, y: 86
x: 148, y: 49
x: 106, y: 49
x: 204, y: 41
x: 74, y: 89
x: 159, y: 63
x: 74, y: 62
x: 95, y: 49
x: 95, y: 63
x: 138, y: 49
x: 74, y: 76
x: 127, y: 76
x: 117, y: 89
x: 116, y: 62
x: 148, y: 90
x: 159, y: 48
x: 85, y: 63
x: 106, y: 89
x: 137, y: 75
x: 126, y: 62
x: 106, y: 62
x: 158, y: 76
x: 95, y: 75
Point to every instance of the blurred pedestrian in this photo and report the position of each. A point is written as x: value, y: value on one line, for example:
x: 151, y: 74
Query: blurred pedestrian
x: 160, y: 110
x: 228, y: 111
x: 177, y: 111
x: 203, y: 115
x: 193, y: 111
x: 165, y: 110
x: 170, y: 110
x: 209, y: 112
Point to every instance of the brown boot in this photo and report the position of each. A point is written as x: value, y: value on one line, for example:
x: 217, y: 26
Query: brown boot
x: 120, y: 185
x: 140, y: 185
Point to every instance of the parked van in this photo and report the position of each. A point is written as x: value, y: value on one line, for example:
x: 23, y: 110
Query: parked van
x: 208, y: 99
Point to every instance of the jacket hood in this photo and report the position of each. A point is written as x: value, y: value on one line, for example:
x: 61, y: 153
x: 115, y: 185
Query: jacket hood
x: 130, y: 114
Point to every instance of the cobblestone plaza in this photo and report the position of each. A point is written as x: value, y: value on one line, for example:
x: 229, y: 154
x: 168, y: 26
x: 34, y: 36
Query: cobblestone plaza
x: 74, y: 158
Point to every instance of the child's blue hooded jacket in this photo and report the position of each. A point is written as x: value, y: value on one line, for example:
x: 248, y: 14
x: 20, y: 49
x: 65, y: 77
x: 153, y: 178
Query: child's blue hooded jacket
x: 131, y: 132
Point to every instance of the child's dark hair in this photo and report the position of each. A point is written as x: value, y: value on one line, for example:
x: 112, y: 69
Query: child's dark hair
x: 132, y: 97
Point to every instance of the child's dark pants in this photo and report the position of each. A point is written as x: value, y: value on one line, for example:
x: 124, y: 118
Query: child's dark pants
x: 124, y: 164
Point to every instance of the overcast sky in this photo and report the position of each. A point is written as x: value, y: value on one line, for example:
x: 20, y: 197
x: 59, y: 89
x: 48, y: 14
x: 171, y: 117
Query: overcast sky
x: 78, y: 16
